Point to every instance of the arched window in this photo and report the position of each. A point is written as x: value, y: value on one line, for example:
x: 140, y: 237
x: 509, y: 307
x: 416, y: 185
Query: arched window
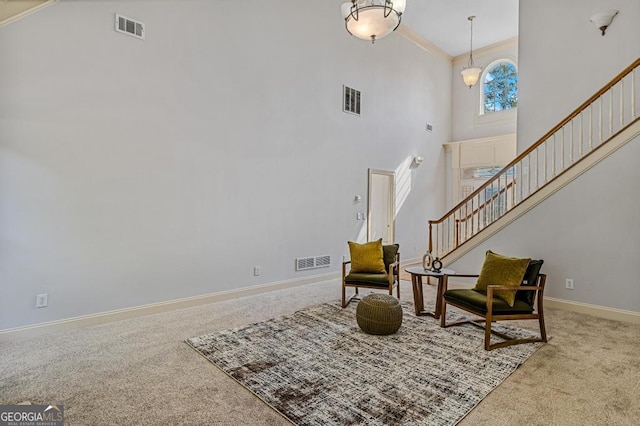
x: 499, y: 87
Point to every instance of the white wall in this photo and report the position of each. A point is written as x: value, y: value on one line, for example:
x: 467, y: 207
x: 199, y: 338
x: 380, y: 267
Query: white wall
x: 467, y: 122
x: 588, y: 230
x: 133, y: 172
x: 466, y: 118
x: 564, y: 59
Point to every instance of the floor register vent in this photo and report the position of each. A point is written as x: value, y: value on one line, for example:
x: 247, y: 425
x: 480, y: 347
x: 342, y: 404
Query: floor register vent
x: 303, y: 263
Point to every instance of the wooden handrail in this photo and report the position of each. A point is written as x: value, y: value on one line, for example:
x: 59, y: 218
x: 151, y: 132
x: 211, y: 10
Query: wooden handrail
x: 483, y: 206
x: 493, y: 197
x: 540, y: 141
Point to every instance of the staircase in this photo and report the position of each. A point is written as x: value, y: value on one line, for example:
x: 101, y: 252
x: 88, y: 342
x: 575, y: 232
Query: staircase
x: 605, y: 122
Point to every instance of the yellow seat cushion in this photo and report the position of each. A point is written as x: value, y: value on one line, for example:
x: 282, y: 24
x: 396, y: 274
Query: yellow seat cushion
x: 367, y: 258
x: 502, y: 270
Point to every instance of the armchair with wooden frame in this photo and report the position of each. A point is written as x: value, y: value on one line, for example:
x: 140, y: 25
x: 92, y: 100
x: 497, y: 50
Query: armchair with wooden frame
x: 528, y: 304
x: 380, y: 281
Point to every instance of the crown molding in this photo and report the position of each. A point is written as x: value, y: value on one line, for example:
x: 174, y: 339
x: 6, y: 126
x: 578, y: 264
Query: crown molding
x: 487, y: 50
x: 425, y: 44
x: 15, y: 10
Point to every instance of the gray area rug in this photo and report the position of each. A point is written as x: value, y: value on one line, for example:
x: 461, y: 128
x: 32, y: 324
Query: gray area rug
x: 316, y: 367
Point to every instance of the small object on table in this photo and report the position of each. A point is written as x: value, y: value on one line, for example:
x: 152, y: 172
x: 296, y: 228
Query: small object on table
x: 436, y: 265
x: 431, y: 264
x: 417, y: 273
x: 379, y: 314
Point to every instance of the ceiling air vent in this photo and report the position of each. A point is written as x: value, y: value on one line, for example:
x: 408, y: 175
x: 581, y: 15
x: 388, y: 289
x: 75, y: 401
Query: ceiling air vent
x: 303, y: 263
x: 129, y: 26
x: 351, y: 100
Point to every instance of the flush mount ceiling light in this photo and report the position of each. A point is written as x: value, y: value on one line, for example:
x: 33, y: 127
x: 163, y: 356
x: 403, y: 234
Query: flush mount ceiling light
x: 471, y: 73
x: 372, y: 19
x: 603, y: 20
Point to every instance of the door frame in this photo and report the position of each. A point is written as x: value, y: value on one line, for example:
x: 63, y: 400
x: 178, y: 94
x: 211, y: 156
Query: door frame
x: 392, y: 202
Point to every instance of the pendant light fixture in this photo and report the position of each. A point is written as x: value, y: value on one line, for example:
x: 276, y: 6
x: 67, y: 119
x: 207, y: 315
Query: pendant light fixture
x: 372, y: 19
x: 471, y: 73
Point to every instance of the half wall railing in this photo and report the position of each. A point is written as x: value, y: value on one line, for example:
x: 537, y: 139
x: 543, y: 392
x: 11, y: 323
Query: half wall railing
x: 605, y: 114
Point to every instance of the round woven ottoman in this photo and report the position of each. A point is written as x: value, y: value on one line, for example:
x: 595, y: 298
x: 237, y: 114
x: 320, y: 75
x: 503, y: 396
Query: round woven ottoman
x: 379, y: 314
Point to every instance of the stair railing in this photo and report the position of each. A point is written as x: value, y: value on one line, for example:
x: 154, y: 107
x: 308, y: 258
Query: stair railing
x: 609, y: 111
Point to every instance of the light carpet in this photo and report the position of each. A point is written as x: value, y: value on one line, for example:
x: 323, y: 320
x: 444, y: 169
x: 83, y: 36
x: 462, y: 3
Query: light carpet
x: 316, y: 367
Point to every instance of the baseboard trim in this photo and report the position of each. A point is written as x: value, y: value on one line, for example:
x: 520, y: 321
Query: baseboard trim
x: 19, y: 333
x: 594, y: 310
x: 414, y: 261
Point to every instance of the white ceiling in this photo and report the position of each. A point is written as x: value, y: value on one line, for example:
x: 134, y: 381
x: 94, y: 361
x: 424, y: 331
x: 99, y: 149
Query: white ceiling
x: 444, y: 22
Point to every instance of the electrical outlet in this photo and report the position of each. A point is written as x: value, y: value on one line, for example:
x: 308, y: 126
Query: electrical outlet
x: 42, y: 300
x: 569, y: 283
x: 257, y: 271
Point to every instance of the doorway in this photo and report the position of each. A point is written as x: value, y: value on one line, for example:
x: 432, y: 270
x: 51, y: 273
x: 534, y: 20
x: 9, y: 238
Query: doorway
x: 381, y: 206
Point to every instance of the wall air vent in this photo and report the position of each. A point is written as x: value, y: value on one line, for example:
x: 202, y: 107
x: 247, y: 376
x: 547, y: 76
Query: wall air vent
x: 129, y: 26
x: 303, y: 263
x: 351, y: 100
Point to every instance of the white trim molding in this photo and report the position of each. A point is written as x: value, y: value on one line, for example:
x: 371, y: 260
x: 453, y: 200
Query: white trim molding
x: 15, y: 10
x: 485, y: 152
x: 425, y: 44
x: 507, y: 116
x: 67, y: 324
x: 594, y: 310
x: 487, y: 50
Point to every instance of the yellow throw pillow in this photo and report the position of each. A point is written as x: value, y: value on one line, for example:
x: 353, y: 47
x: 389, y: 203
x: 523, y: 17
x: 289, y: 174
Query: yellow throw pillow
x: 367, y: 258
x: 502, y: 270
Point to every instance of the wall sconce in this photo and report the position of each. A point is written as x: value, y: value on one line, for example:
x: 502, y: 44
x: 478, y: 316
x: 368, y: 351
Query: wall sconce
x: 602, y: 20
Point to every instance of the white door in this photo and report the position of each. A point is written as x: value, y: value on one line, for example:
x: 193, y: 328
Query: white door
x: 381, y: 208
